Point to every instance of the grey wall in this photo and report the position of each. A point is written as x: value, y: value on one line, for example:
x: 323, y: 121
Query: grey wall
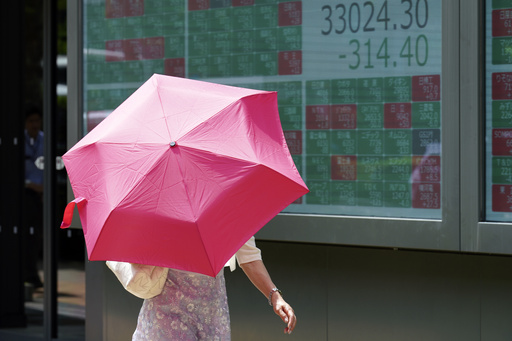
x: 346, y: 293
x: 350, y: 293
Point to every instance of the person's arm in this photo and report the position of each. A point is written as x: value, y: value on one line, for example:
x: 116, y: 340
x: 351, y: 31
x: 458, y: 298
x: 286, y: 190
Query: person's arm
x: 259, y: 276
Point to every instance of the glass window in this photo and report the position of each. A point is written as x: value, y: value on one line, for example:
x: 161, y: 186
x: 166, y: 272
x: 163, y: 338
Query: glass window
x: 498, y: 110
x: 359, y: 85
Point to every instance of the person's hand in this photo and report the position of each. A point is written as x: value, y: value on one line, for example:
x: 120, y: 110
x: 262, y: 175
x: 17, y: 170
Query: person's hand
x: 285, y: 312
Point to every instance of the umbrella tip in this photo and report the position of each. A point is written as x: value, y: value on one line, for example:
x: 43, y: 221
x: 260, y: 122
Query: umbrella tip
x: 173, y: 143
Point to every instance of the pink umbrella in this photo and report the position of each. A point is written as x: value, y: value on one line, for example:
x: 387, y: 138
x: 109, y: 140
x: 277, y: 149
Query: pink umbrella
x: 181, y: 175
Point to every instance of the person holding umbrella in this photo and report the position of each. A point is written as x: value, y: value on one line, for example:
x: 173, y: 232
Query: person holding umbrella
x: 179, y: 176
x: 193, y: 306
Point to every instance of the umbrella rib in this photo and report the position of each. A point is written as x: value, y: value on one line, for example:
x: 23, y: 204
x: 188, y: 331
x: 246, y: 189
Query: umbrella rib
x: 193, y: 212
x: 220, y: 112
x: 163, y: 112
x: 255, y: 162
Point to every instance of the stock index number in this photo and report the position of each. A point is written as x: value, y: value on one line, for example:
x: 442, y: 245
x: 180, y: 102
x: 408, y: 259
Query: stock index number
x: 368, y: 17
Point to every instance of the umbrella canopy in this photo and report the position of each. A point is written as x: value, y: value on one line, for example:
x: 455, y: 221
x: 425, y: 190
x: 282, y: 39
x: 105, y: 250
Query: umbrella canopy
x: 181, y: 175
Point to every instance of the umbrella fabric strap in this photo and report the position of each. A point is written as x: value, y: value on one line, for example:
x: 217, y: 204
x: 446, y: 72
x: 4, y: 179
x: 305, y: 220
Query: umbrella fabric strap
x: 68, y: 211
x: 272, y: 293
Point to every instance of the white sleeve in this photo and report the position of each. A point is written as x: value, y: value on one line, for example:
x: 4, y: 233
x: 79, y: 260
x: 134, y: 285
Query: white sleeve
x: 248, y: 252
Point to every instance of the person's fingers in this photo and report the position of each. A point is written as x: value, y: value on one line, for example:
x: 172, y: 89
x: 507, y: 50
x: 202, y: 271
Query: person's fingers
x: 282, y: 314
x: 292, y: 321
x: 288, y: 316
x: 286, y: 313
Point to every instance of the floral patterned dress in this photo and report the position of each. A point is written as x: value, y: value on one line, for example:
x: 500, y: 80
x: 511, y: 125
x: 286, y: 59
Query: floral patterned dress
x: 191, y: 307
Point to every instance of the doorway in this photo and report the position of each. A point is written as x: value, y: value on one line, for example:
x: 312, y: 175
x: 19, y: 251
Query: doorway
x: 27, y: 264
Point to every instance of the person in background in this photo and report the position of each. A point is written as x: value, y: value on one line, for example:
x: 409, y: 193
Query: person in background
x: 193, y: 306
x: 33, y: 202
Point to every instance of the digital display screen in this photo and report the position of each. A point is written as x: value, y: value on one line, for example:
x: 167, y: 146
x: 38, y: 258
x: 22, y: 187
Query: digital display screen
x: 359, y: 84
x: 498, y: 110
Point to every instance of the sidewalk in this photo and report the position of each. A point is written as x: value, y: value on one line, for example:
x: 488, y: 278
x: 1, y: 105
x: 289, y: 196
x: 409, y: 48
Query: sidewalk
x: 71, y: 292
x: 70, y: 309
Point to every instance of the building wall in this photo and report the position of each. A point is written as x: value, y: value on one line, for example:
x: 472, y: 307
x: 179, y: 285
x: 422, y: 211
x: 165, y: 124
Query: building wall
x: 357, y: 293
x: 351, y: 293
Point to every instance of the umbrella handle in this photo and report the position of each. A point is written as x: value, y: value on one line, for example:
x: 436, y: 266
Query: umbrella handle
x: 68, y: 211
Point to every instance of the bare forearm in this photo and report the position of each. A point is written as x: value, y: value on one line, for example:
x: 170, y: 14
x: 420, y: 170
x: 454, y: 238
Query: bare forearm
x: 259, y: 276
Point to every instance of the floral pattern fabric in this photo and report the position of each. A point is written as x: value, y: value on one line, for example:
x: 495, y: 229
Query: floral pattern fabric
x: 191, y: 307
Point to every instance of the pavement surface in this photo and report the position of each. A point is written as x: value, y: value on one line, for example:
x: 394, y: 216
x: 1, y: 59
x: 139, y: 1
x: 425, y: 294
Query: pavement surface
x: 70, y: 309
